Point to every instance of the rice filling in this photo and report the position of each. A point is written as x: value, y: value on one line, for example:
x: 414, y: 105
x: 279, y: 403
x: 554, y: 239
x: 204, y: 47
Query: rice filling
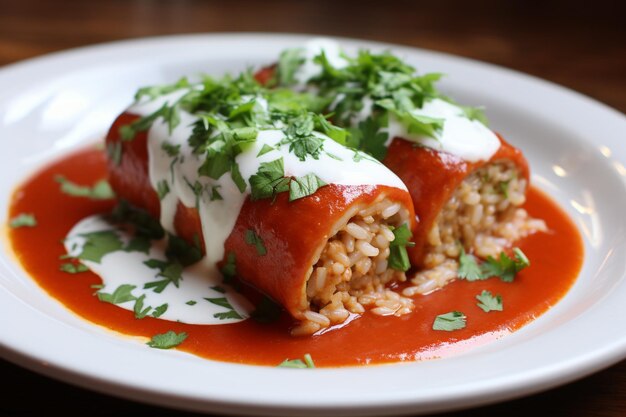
x: 484, y: 216
x: 352, y: 272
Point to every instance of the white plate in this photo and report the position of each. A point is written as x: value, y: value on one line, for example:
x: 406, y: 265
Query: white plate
x: 52, y: 104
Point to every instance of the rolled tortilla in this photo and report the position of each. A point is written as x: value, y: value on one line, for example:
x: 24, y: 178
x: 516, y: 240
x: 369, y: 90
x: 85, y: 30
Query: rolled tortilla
x: 322, y: 257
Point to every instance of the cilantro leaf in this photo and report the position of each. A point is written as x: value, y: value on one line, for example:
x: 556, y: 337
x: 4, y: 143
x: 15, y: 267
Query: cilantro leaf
x: 289, y: 62
x: 475, y: 113
x: 145, y: 225
x: 182, y: 252
x: 398, y: 255
x: 73, y: 267
x: 128, y: 132
x: 215, y: 194
x: 448, y: 322
x: 170, y: 150
x: 170, y: 271
x: 237, y: 178
x: 269, y: 180
x: 121, y: 294
x: 163, y: 189
x: 301, y: 187
x: 369, y: 138
x: 138, y: 244
x: 223, y: 302
x: 167, y: 340
x: 468, y: 267
x: 153, y: 92
x: 255, y: 240
x: 160, y: 310
x: 101, y: 190
x: 265, y: 149
x: 23, y: 220
x: 299, y: 135
x: 98, y: 244
x: 191, y: 303
x: 487, y: 302
x: 218, y: 289
x: 298, y: 363
x: 139, y: 310
x: 505, y: 267
x: 230, y: 314
x: 229, y: 270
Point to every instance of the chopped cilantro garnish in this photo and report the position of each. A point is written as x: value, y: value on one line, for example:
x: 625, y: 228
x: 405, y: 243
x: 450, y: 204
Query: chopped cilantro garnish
x: 170, y: 114
x: 265, y: 149
x: 298, y: 363
x: 504, y: 267
x: 289, y: 62
x: 182, y: 252
x: 191, y: 303
x: 163, y: 189
x: 138, y: 244
x: 255, y: 240
x: 398, y: 256
x: 219, y: 289
x: 159, y: 310
x: 23, y: 220
x: 98, y: 244
x: 269, y: 180
x: 167, y: 340
x: 453, y: 320
x: 487, y: 302
x: 215, y: 194
x: 139, y: 310
x: 475, y: 113
x: 73, y: 267
x: 153, y: 92
x: 230, y: 314
x: 171, y: 150
x: 229, y: 270
x: 121, y: 294
x: 145, y: 225
x: 101, y: 190
x: 171, y: 272
x: 468, y: 267
x: 299, y: 135
x: 301, y: 187
x: 368, y: 137
x: 223, y: 302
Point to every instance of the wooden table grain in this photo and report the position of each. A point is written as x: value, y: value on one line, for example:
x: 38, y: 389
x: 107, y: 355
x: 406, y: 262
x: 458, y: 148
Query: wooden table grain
x: 580, y: 45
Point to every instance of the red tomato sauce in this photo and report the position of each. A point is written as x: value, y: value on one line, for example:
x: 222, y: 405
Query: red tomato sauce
x: 556, y: 258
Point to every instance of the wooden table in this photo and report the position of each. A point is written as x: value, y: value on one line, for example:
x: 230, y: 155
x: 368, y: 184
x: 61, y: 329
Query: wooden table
x: 576, y: 44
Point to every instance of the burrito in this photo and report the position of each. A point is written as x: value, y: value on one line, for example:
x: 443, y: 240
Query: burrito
x: 256, y: 181
x: 467, y: 183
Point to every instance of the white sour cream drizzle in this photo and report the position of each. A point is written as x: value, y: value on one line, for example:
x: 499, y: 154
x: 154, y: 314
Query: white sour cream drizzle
x: 468, y: 139
x: 335, y: 165
x: 186, y: 303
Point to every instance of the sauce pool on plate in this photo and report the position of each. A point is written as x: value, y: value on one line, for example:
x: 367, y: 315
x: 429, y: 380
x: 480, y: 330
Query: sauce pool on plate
x: 556, y: 257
